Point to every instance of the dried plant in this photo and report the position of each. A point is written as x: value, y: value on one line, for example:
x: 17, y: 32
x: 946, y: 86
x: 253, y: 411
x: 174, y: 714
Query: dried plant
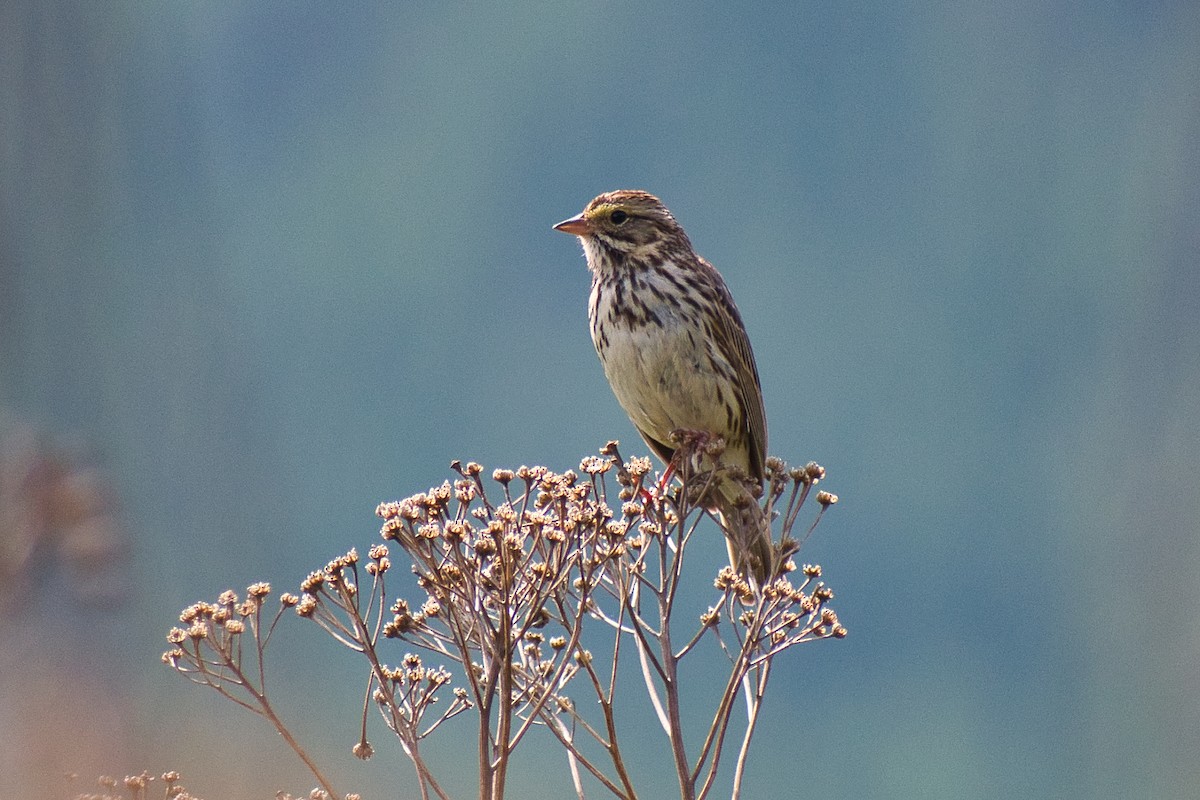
x: 213, y: 651
x: 535, y: 587
x: 136, y: 787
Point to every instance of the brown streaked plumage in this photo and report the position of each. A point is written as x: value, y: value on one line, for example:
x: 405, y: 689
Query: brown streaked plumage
x: 675, y: 350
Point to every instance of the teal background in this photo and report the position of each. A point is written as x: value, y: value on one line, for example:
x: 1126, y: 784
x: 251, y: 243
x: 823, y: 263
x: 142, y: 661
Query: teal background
x: 276, y: 262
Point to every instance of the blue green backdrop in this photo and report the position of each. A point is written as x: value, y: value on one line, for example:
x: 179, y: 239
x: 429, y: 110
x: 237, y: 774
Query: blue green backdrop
x: 276, y: 262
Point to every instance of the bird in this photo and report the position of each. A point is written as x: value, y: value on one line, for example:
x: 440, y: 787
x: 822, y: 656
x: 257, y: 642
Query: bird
x: 677, y: 355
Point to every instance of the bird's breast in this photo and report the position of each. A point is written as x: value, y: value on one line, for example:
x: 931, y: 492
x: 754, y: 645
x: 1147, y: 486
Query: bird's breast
x: 662, y: 368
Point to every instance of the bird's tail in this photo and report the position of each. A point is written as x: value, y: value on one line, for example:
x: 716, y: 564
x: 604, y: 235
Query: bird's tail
x: 747, y: 534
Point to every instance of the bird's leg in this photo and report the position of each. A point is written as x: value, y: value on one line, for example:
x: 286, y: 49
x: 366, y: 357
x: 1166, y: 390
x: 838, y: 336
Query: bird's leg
x: 692, y: 443
x: 668, y: 473
x: 648, y: 495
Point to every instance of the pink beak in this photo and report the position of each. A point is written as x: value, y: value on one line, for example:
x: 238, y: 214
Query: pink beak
x: 577, y: 225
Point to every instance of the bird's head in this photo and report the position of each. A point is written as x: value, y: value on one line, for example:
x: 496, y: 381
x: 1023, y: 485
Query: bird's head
x: 624, y: 223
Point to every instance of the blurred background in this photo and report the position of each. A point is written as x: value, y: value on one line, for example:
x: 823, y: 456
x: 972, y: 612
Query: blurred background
x: 263, y: 266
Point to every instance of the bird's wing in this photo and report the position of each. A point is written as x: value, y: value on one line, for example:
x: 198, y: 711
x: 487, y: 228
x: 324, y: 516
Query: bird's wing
x: 735, y: 344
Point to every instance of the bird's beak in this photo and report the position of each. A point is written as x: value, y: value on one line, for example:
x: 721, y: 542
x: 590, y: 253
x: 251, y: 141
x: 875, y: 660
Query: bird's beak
x: 577, y: 225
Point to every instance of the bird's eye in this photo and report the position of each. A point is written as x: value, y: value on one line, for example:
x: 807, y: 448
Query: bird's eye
x: 618, y: 217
